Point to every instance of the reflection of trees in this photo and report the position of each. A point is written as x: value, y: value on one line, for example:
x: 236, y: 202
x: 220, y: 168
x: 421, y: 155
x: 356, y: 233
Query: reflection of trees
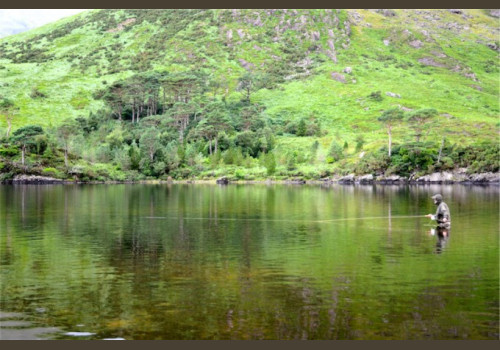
x: 99, y: 261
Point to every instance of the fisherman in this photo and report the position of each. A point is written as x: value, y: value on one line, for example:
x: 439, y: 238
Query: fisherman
x: 442, y: 215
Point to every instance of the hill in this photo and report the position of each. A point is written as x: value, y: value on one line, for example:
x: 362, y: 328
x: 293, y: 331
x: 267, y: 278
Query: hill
x: 316, y: 79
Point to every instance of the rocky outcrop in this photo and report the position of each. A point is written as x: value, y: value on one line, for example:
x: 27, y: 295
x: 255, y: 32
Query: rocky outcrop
x: 222, y: 181
x: 338, y: 77
x: 443, y: 177
x: 495, y: 13
x: 35, y: 179
x: 427, y: 61
x: 417, y: 44
x: 457, y: 176
x: 296, y: 182
x: 366, y: 179
x: 347, y: 179
x: 392, y: 94
x: 391, y: 179
x: 485, y: 178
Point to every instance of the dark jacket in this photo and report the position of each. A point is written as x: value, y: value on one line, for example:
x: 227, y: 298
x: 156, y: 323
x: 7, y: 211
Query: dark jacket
x: 443, y: 212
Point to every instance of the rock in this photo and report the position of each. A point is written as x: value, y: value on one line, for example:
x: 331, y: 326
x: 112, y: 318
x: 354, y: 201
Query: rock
x: 447, y: 116
x: 241, y: 33
x: 438, y: 54
x: 428, y: 61
x: 455, y: 11
x: 247, y: 65
x: 386, y: 42
x: 347, y: 70
x: 347, y: 179
x: 35, y: 179
x: 392, y: 94
x: 493, y: 46
x: 470, y: 76
x: 477, y: 87
x: 395, y: 178
x: 331, y: 52
x: 485, y: 178
x: 386, y: 12
x: 416, y: 44
x: 338, y: 77
x: 495, y: 13
x: 296, y: 181
x: 366, y: 179
x: 436, y: 177
x: 391, y: 179
x: 222, y: 181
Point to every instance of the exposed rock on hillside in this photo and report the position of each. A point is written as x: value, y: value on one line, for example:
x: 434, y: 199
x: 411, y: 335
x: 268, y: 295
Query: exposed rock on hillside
x: 338, y: 77
x: 429, y: 61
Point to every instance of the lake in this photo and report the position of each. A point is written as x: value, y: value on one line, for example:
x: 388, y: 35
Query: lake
x: 247, y: 262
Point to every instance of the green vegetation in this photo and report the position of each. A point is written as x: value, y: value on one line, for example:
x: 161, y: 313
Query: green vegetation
x: 251, y: 94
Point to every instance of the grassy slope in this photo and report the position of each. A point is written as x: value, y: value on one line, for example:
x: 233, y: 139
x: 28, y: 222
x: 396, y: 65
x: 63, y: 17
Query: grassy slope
x: 474, y: 113
x: 344, y: 109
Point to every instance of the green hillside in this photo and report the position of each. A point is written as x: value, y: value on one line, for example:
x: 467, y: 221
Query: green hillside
x: 300, y: 89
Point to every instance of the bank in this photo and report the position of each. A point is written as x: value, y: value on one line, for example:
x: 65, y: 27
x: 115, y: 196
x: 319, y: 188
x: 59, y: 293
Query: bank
x: 459, y: 176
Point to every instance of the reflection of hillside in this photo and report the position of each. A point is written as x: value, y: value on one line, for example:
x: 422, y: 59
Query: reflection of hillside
x: 249, y: 262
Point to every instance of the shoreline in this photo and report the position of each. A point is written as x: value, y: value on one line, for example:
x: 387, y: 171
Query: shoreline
x: 485, y: 179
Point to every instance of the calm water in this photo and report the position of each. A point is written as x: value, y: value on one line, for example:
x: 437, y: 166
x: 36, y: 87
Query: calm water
x: 247, y: 262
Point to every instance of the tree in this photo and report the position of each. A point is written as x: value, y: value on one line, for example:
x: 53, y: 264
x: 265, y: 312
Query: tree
x: 215, y: 119
x: 270, y: 163
x: 25, y: 137
x: 64, y: 132
x: 390, y: 117
x: 149, y: 142
x: 301, y: 128
x: 115, y: 98
x: 360, y: 141
x: 8, y: 108
x: 335, y: 153
x: 419, y: 118
x: 249, y: 83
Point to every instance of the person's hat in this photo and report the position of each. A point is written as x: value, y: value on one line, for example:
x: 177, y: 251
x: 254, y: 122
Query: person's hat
x: 437, y: 197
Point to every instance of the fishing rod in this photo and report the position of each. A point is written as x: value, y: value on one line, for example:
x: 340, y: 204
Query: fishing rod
x: 287, y: 220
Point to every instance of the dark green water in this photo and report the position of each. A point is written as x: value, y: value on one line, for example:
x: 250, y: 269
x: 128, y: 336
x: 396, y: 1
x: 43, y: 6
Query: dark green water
x: 248, y: 262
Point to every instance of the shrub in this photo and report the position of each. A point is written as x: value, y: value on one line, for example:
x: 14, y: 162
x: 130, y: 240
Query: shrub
x: 8, y: 151
x: 376, y: 96
x: 52, y: 172
x: 335, y: 152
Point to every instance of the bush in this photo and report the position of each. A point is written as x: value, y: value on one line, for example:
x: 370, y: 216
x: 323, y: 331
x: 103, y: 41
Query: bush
x: 335, y: 152
x: 376, y: 96
x: 413, y: 157
x: 8, y: 151
x: 52, y: 172
x: 270, y: 163
x: 373, y: 163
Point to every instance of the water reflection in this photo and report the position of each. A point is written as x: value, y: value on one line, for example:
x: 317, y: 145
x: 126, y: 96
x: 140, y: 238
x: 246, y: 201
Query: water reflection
x: 250, y: 262
x: 443, y: 235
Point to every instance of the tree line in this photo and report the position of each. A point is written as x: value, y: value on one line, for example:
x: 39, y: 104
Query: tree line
x: 180, y: 125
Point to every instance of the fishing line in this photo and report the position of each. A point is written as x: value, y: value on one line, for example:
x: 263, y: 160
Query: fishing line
x: 288, y: 220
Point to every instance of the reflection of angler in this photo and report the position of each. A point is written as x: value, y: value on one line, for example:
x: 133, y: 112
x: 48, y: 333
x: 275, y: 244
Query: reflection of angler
x: 443, y: 234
